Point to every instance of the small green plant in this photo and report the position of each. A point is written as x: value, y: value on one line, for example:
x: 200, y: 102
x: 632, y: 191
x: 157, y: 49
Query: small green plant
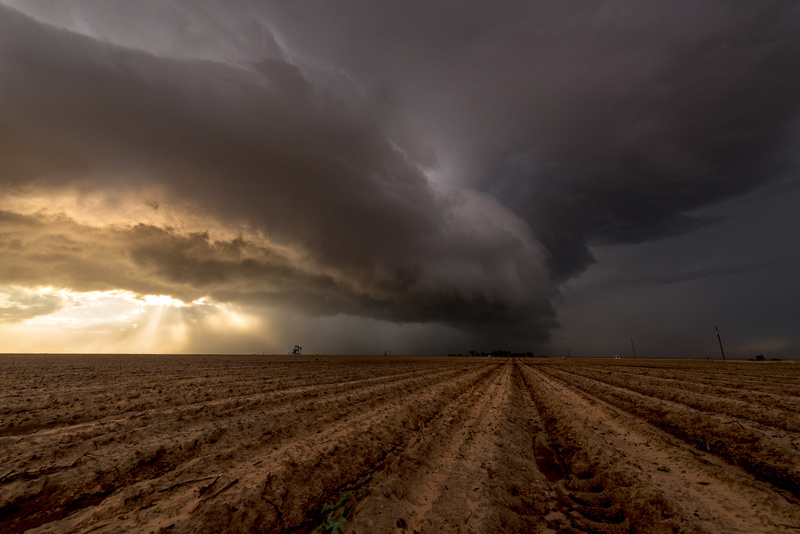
x: 157, y: 508
x: 336, y: 513
x: 664, y: 468
x: 332, y: 525
x: 471, y: 432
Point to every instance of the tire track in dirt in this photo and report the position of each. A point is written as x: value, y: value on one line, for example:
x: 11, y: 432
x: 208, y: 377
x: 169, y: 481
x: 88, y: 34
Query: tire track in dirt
x: 549, y: 470
x: 276, y: 491
x: 600, y: 492
x: 713, y: 499
x: 486, y: 467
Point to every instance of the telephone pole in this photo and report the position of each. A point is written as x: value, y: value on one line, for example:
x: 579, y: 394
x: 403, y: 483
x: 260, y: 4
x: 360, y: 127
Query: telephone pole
x: 716, y: 329
x: 634, y: 349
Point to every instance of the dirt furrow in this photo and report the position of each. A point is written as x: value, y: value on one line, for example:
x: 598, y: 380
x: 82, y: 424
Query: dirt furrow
x: 751, y: 396
x: 180, y: 444
x: 601, y: 492
x: 441, y: 480
x: 712, y: 499
x: 40, y: 409
x: 772, y: 460
x: 266, y: 485
x: 135, y: 428
x: 731, y: 375
x: 772, y: 416
x: 545, y: 475
x: 149, y: 452
x: 203, y: 412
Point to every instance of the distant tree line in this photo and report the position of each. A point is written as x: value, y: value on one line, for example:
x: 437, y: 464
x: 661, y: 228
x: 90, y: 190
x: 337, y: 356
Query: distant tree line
x: 761, y: 358
x: 500, y: 353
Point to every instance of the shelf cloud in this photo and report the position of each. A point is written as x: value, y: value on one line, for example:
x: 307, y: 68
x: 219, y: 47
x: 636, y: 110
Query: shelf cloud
x: 446, y: 164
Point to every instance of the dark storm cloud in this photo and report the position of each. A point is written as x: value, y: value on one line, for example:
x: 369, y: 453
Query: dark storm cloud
x: 717, y: 271
x: 146, y: 259
x: 257, y: 146
x: 598, y: 122
x: 352, y: 133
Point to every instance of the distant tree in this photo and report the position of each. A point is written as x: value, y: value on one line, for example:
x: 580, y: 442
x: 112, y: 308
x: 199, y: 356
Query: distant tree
x: 760, y: 358
x: 297, y: 350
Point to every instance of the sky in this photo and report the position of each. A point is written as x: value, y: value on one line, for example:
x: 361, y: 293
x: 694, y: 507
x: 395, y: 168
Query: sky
x: 582, y: 178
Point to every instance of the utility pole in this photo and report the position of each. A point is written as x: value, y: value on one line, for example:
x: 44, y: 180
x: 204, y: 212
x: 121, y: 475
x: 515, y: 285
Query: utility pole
x: 716, y: 329
x: 634, y: 349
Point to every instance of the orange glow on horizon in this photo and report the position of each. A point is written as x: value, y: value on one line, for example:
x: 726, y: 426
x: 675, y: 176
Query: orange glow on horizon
x: 47, y: 319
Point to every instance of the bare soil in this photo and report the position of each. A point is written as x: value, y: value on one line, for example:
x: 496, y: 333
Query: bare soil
x: 136, y: 443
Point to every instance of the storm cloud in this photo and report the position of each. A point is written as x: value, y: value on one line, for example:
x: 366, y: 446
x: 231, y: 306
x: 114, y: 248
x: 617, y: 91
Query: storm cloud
x: 414, y: 162
x: 344, y: 221
x: 599, y: 122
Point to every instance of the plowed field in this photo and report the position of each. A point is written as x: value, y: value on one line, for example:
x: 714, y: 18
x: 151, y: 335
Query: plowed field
x: 301, y: 444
